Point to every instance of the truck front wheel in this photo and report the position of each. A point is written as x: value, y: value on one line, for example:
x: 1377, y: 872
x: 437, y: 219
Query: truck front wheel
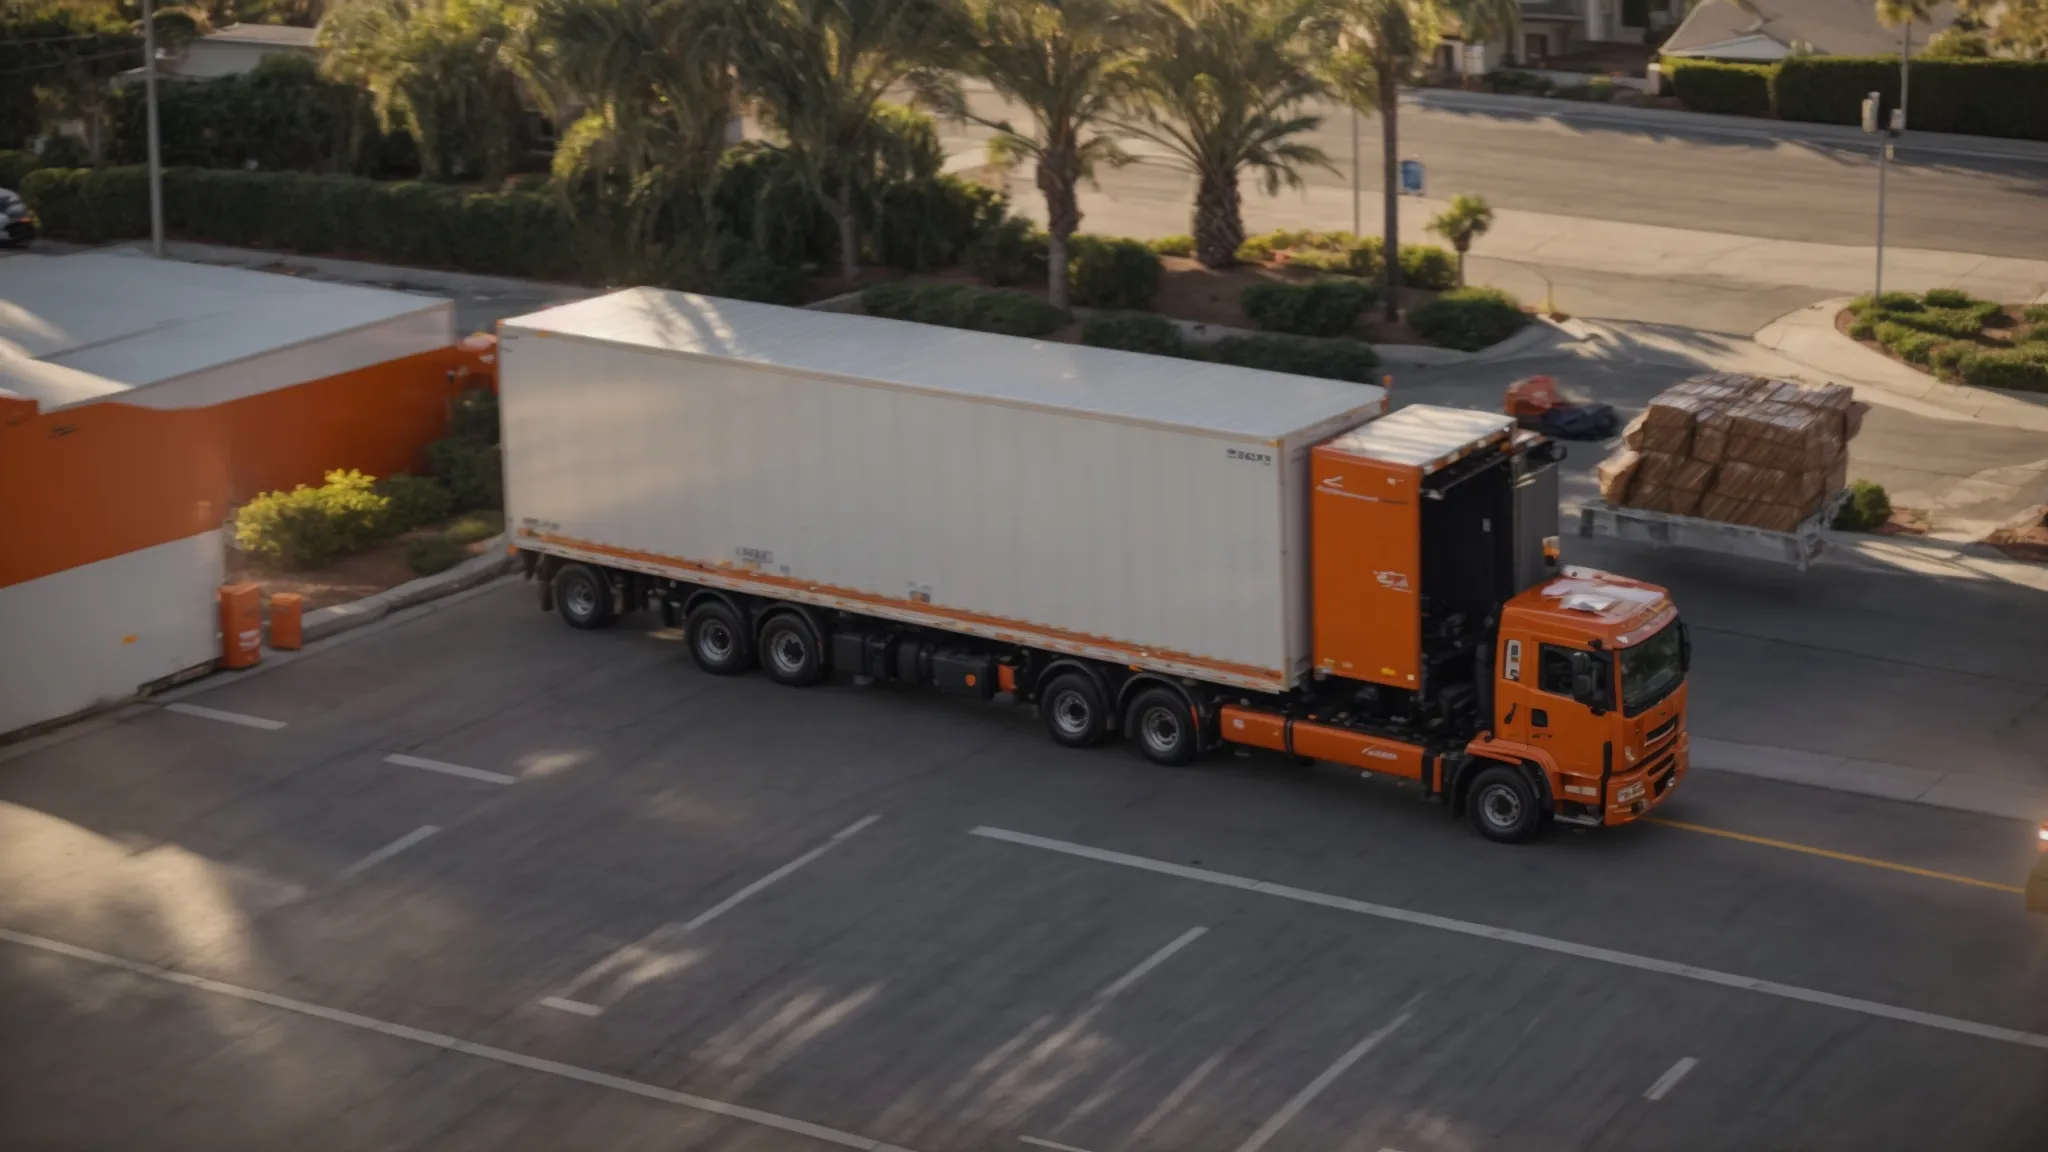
x: 1503, y: 806
x: 1161, y: 724
x: 583, y: 596
x: 1075, y: 713
x: 718, y: 639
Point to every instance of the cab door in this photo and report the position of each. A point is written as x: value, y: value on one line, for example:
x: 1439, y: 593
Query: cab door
x: 1570, y: 697
x: 1512, y: 688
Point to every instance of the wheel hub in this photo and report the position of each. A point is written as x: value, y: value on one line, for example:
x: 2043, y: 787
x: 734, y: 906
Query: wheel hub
x: 1071, y: 713
x: 714, y: 640
x: 787, y: 651
x: 1501, y: 807
x: 1161, y: 730
x: 582, y: 598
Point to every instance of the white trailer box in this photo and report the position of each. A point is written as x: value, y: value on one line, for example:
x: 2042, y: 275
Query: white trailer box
x: 1127, y: 507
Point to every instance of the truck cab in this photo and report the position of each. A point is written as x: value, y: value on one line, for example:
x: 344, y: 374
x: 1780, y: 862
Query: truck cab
x: 1589, y: 687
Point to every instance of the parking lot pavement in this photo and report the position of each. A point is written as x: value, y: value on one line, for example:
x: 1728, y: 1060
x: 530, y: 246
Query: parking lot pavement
x: 603, y: 899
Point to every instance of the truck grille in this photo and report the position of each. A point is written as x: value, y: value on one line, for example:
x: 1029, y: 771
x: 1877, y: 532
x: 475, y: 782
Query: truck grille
x: 1658, y: 733
x: 1661, y: 775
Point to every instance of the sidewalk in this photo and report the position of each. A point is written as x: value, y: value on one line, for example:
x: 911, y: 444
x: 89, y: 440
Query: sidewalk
x: 1988, y: 797
x: 1910, y: 145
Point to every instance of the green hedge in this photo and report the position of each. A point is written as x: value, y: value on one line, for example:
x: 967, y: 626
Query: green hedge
x: 1323, y: 308
x: 1301, y: 355
x: 1867, y: 508
x: 406, y: 222
x: 2021, y: 369
x: 932, y: 222
x: 281, y: 116
x: 1134, y: 332
x: 1112, y: 272
x: 1712, y: 86
x: 1980, y: 97
x: 15, y: 165
x: 1468, y: 319
x: 2035, y: 313
x: 1013, y: 251
x: 308, y: 526
x: 1909, y: 344
x: 1004, y: 311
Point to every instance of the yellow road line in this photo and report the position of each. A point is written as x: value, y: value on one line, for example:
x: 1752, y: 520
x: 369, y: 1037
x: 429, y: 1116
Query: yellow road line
x: 1845, y: 857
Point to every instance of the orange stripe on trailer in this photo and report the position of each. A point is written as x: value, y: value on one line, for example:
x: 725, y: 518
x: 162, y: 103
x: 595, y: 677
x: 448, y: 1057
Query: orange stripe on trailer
x: 1001, y: 628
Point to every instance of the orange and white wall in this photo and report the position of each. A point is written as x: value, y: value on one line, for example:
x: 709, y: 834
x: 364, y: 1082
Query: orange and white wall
x: 112, y: 510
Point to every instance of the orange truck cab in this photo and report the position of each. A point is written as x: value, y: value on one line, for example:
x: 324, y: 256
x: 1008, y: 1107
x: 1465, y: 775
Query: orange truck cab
x: 1451, y: 648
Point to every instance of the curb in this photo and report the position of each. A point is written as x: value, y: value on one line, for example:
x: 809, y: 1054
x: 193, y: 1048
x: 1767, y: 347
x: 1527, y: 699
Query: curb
x: 339, y: 618
x: 1978, y: 795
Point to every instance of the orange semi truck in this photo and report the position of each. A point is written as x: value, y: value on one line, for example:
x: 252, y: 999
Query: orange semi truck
x: 1190, y: 555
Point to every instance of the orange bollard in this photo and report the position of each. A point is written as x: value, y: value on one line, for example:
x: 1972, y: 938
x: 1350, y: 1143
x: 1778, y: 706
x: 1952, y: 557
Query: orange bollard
x: 241, y: 625
x: 287, y: 611
x: 2037, y: 880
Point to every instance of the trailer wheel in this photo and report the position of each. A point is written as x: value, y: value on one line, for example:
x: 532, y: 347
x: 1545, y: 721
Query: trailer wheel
x: 1162, y: 726
x: 583, y: 596
x: 1074, y: 711
x: 1503, y: 806
x: 718, y: 639
x: 790, y: 652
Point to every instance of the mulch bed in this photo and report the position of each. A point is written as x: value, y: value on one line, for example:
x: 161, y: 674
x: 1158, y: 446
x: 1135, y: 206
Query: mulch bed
x: 2025, y: 538
x: 1993, y: 338
x: 345, y: 578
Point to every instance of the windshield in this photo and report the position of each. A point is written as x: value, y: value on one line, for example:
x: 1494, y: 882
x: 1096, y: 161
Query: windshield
x: 1650, y: 670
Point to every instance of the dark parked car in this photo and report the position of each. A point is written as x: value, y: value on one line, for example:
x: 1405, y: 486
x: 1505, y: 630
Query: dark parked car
x: 17, y: 221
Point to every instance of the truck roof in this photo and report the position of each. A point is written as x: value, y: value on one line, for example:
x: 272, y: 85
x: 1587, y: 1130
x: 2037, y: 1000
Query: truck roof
x: 1124, y: 386
x: 1423, y: 436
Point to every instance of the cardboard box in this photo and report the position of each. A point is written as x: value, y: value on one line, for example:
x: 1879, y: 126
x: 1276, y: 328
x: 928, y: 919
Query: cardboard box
x: 1618, y: 475
x: 1657, y: 498
x: 1783, y: 436
x: 1680, y: 472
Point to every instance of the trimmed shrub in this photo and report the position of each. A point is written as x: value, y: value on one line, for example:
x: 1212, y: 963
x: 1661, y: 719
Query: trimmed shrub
x: 1004, y: 311
x: 434, y: 554
x: 1980, y: 97
x: 1955, y: 323
x: 2035, y: 313
x: 931, y: 222
x: 2018, y: 369
x: 891, y: 301
x: 307, y: 526
x: 1173, y: 245
x: 1013, y: 313
x: 1864, y: 327
x: 1011, y: 251
x: 1428, y: 266
x: 1336, y: 253
x: 755, y: 275
x: 1711, y: 86
x: 15, y: 165
x: 1909, y: 344
x: 1468, y: 319
x: 1868, y: 507
x: 1337, y: 359
x: 1133, y: 332
x: 1947, y: 359
x: 475, y: 527
x: 949, y: 305
x: 2037, y: 334
x: 1324, y: 308
x: 1948, y: 298
x: 412, y: 502
x: 280, y: 116
x: 1112, y: 272
x: 467, y: 459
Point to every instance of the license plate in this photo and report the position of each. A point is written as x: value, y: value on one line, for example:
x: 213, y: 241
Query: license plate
x: 1629, y: 794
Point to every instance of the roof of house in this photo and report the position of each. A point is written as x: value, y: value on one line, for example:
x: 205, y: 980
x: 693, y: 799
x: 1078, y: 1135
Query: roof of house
x: 1042, y: 374
x: 85, y: 327
x: 1773, y: 29
x: 267, y: 35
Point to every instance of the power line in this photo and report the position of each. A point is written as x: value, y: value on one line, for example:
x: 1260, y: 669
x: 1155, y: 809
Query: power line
x: 9, y: 43
x: 70, y: 60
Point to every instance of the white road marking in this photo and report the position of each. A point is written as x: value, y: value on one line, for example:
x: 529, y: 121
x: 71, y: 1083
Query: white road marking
x: 1670, y: 1079
x: 452, y: 1044
x: 1278, y: 1120
x: 389, y: 850
x: 1148, y: 964
x: 1054, y: 1145
x: 576, y: 1006
x: 1531, y: 940
x: 647, y: 951
x: 243, y: 719
x: 442, y: 766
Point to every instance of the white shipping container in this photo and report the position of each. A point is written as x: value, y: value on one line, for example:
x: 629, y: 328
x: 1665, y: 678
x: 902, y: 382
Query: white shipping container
x: 1127, y: 507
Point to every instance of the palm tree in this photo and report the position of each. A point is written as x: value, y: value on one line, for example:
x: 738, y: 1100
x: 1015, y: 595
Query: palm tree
x: 1381, y: 43
x: 1057, y: 59
x: 1903, y: 14
x: 818, y: 69
x: 1219, y: 84
x: 662, y: 94
x: 442, y: 69
x: 1467, y: 219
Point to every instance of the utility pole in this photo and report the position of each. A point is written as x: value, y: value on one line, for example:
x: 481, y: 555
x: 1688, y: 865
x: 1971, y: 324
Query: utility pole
x: 156, y: 167
x: 1357, y: 219
x: 1884, y: 134
x: 1905, y: 58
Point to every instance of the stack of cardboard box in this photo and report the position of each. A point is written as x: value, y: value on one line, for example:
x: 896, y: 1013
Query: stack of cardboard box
x: 1738, y: 449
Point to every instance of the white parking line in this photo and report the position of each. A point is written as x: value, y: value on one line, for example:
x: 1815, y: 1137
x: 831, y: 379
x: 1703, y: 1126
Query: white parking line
x: 1530, y: 940
x: 243, y: 719
x: 576, y: 1006
x: 1148, y: 964
x: 1670, y: 1079
x: 650, y: 951
x: 389, y: 850
x: 442, y: 766
x: 1052, y: 1144
x: 1278, y: 1120
x: 452, y: 1044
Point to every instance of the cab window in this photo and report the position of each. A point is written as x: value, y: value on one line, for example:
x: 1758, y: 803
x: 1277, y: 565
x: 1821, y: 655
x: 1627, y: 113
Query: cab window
x: 1554, y: 669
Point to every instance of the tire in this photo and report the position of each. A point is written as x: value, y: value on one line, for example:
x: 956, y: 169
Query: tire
x: 1075, y: 714
x: 718, y: 639
x: 1504, y: 807
x: 583, y: 596
x: 1162, y: 727
x: 790, y: 652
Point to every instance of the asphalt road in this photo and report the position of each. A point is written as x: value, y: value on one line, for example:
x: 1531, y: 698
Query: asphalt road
x: 716, y: 914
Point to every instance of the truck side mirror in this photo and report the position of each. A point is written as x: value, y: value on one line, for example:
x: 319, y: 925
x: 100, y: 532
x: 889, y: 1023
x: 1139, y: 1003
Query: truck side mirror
x: 1684, y: 649
x: 1584, y: 690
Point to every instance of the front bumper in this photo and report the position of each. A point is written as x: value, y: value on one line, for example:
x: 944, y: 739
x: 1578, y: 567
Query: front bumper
x: 1635, y: 795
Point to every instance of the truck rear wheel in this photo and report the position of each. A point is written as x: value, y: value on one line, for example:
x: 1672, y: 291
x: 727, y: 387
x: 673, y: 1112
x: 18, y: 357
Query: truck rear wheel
x: 1504, y: 807
x: 1074, y: 711
x: 1162, y: 726
x: 790, y: 652
x: 718, y: 639
x: 583, y: 596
